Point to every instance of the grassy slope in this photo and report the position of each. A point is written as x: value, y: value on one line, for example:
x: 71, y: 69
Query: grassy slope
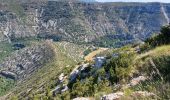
x: 160, y: 57
x: 159, y: 51
x: 5, y: 50
x: 6, y: 84
x: 47, y: 76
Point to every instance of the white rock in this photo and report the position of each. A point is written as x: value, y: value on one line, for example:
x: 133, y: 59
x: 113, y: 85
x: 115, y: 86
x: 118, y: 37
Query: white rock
x: 113, y: 96
x: 143, y: 93
x: 82, y: 98
x: 77, y: 70
x: 137, y: 80
x: 65, y: 88
x: 99, y: 61
x: 61, y: 77
x: 83, y: 66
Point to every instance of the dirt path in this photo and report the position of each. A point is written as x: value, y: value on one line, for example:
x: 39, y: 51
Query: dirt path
x: 90, y: 56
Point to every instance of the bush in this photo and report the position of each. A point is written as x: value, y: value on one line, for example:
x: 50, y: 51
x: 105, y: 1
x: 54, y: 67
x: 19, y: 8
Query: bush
x: 82, y: 89
x: 163, y: 65
x: 120, y: 67
x: 161, y: 39
x: 6, y: 85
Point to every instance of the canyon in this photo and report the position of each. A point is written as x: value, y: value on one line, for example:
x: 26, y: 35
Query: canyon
x: 82, y: 22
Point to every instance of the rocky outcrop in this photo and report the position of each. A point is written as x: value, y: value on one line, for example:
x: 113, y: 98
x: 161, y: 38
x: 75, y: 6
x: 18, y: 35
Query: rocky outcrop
x: 99, y: 61
x: 82, y: 98
x: 77, y: 70
x: 118, y: 21
x: 24, y: 62
x: 137, y: 80
x: 85, y: 22
x: 138, y: 94
x: 12, y: 27
x: 113, y: 96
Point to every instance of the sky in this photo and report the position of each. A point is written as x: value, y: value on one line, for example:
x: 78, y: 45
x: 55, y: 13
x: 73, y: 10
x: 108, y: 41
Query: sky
x: 165, y: 1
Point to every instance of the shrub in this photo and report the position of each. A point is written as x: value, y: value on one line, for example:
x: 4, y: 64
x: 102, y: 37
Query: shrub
x: 161, y: 39
x: 163, y: 65
x: 120, y: 67
x: 84, y: 88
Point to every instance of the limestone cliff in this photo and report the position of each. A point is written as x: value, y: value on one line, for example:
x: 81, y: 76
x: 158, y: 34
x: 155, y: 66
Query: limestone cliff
x: 85, y: 22
x: 23, y: 63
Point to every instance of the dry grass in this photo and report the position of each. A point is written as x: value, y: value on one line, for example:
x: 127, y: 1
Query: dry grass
x: 159, y: 51
x: 91, y: 55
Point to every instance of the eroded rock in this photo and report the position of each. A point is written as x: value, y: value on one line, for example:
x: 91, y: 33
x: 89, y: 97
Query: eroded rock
x: 143, y: 94
x: 137, y: 80
x: 25, y: 61
x: 83, y: 98
x: 113, y: 96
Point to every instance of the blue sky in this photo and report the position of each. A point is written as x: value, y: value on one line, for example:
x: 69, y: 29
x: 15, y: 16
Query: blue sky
x: 166, y: 1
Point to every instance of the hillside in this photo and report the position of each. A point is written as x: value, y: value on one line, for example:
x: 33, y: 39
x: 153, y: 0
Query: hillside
x: 43, y: 74
x: 133, y: 72
x: 103, y: 24
x: 84, y: 50
x: 139, y: 79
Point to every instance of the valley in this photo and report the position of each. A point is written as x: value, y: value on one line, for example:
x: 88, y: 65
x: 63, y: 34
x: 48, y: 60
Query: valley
x: 84, y: 50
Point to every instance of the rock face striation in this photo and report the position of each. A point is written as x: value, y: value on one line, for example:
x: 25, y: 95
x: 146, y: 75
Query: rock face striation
x: 24, y: 62
x: 85, y: 22
x: 90, y: 21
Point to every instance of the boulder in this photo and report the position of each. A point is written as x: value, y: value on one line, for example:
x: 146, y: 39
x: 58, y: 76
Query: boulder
x: 137, y: 80
x: 8, y: 74
x: 77, y: 70
x: 61, y: 77
x: 113, y: 96
x: 99, y: 61
x: 82, y: 98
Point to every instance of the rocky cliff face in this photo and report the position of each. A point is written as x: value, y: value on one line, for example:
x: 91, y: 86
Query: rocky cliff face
x: 24, y: 62
x: 87, y: 22
x: 12, y: 27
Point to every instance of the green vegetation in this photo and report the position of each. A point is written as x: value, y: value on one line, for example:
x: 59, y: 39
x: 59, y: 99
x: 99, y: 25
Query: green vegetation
x: 14, y: 6
x: 106, y: 42
x: 94, y: 82
x: 89, y: 87
x: 6, y: 85
x: 121, y: 67
x: 162, y: 39
x: 43, y: 81
x: 89, y: 50
x: 5, y: 50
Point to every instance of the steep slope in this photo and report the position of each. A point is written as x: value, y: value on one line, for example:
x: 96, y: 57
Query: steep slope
x: 48, y: 67
x: 105, y: 24
x: 45, y: 77
x: 18, y: 64
x: 83, y: 21
x: 22, y: 63
x: 124, y: 74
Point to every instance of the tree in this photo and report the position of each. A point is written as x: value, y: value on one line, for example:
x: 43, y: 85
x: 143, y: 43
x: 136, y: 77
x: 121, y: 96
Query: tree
x: 120, y: 67
x: 165, y: 30
x: 161, y: 39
